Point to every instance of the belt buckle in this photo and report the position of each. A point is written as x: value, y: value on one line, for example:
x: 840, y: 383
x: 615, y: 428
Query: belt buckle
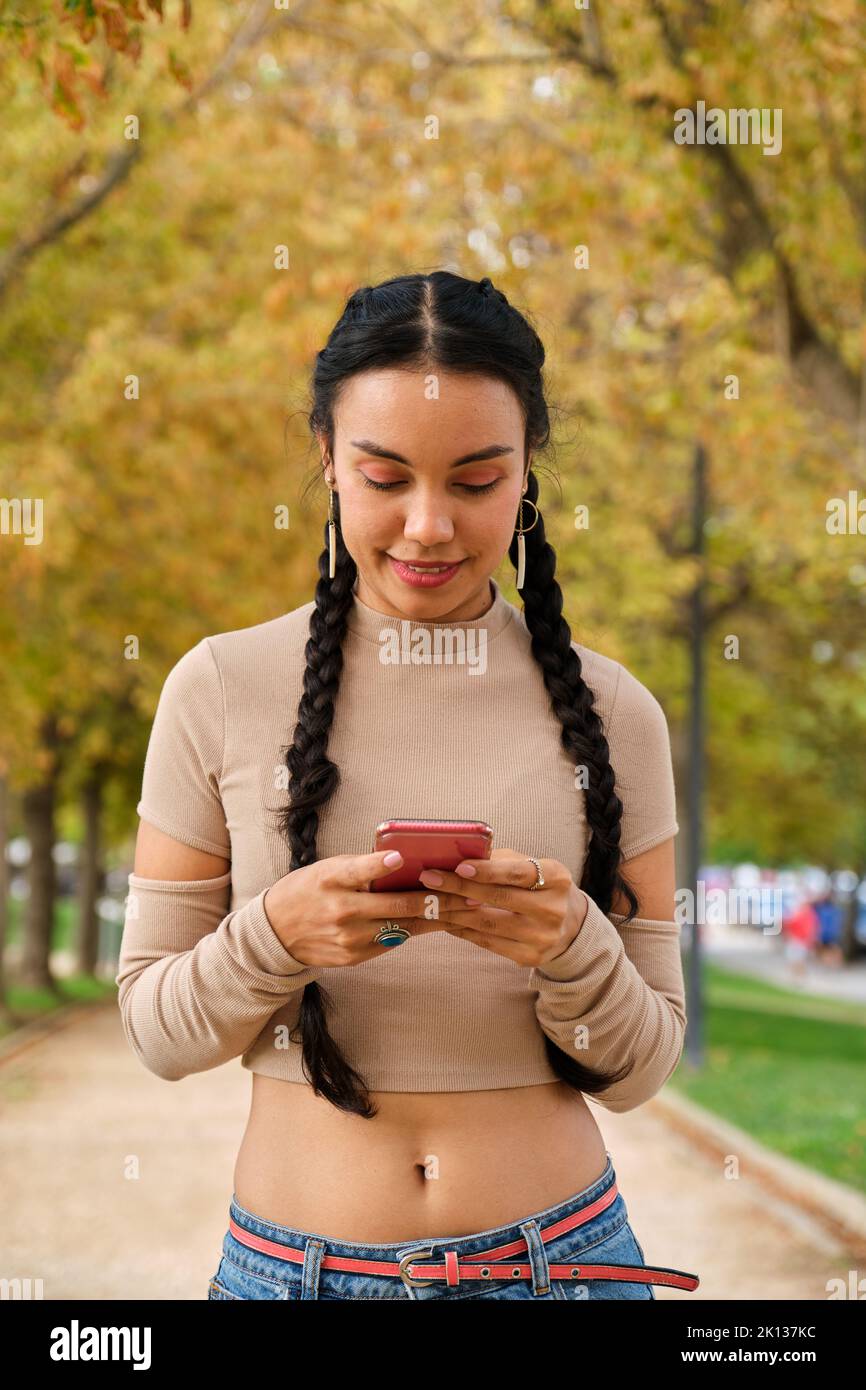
x: 407, y: 1259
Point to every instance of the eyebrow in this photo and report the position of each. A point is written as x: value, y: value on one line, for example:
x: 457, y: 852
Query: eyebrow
x: 491, y: 452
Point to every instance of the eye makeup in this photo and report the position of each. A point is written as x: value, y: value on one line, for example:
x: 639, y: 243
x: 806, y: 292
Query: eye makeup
x: 470, y: 487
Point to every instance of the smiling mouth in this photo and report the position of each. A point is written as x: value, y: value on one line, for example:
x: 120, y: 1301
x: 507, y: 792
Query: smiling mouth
x: 425, y: 567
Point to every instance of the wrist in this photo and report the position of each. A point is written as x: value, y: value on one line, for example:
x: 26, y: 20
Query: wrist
x: 267, y: 913
x: 272, y: 906
x: 576, y: 919
x: 583, y: 907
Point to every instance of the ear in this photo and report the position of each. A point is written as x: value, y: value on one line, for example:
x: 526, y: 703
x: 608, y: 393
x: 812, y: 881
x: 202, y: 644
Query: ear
x: 326, y: 462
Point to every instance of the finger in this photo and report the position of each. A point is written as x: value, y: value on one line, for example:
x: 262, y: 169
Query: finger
x: 416, y: 926
x: 508, y: 867
x: 409, y: 904
x: 501, y: 945
x: 492, y: 882
x: 490, y: 922
x: 419, y: 925
x: 359, y: 870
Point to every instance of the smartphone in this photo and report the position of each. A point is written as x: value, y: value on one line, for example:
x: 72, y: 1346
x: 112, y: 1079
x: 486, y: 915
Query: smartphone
x: 428, y: 844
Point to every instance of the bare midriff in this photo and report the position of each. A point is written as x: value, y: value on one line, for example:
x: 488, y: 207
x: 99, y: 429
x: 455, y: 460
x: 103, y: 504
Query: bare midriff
x: 432, y: 1163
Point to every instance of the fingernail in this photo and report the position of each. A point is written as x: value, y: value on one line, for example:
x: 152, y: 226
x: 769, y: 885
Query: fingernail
x: 430, y: 877
x: 465, y: 870
x: 472, y: 902
x: 393, y: 858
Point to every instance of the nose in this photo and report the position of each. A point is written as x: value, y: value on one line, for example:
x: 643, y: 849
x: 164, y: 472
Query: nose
x: 428, y: 522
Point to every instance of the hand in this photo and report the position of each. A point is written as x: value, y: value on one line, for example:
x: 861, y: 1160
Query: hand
x: 324, y: 913
x: 529, y: 928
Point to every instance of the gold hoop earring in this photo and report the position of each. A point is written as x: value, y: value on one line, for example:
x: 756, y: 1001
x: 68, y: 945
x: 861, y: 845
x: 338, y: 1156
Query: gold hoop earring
x: 521, y: 543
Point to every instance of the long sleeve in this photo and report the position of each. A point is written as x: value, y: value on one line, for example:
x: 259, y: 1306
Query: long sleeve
x: 616, y: 997
x: 197, y: 984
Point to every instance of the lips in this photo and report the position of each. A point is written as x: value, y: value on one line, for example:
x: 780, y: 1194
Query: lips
x: 426, y: 564
x: 427, y: 575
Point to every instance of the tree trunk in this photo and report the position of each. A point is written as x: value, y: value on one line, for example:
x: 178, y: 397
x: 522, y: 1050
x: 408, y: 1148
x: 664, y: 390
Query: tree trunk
x: 848, y: 941
x: 91, y: 876
x: 4, y: 893
x: 38, y: 808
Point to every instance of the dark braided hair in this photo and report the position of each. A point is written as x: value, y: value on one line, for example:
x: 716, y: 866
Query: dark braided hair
x: 446, y: 321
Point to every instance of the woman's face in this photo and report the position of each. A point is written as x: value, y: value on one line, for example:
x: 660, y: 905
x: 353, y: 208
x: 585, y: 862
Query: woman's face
x: 388, y: 431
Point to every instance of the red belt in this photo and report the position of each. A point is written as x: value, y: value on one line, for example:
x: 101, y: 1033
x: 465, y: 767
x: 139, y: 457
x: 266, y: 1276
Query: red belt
x: 496, y: 1263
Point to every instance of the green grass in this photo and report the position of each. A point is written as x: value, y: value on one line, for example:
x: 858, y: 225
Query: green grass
x: 786, y: 1067
x: 28, y: 1004
x: 65, y: 921
x: 31, y: 1004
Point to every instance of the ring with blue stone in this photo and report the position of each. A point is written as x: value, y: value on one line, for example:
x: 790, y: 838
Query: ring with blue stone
x: 392, y: 934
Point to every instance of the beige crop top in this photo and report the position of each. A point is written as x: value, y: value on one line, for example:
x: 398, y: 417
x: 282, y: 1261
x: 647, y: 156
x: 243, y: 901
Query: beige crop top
x: 422, y: 728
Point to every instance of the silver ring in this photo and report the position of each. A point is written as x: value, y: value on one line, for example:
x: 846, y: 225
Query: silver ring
x: 392, y: 934
x: 539, y: 882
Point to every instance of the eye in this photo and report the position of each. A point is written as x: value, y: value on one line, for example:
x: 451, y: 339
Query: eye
x: 383, y: 487
x: 470, y: 487
x: 481, y: 487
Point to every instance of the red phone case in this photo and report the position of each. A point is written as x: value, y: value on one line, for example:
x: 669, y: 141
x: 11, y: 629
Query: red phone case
x: 428, y: 844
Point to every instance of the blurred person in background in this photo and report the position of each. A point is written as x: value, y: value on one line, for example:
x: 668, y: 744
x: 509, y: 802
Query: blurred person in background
x: 829, y: 914
x: 801, y: 931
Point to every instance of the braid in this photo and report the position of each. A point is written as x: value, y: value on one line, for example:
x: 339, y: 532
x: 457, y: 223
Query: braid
x: 313, y: 779
x: 417, y: 321
x: 582, y: 732
x: 583, y: 739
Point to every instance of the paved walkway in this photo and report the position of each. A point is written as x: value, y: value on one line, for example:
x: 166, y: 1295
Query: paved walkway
x: 749, y: 950
x: 117, y: 1183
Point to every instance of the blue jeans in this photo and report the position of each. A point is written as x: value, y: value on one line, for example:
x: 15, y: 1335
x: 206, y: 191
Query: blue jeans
x: 607, y: 1238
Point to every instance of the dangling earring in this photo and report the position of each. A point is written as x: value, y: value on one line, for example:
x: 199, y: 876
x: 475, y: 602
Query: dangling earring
x: 332, y: 536
x: 521, y: 543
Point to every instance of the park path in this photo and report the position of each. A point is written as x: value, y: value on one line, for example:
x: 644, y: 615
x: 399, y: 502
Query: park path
x: 750, y: 952
x: 77, y: 1110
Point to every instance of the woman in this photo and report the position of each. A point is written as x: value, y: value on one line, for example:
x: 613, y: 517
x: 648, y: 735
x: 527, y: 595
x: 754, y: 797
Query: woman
x: 436, y: 1111
x: 801, y: 929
